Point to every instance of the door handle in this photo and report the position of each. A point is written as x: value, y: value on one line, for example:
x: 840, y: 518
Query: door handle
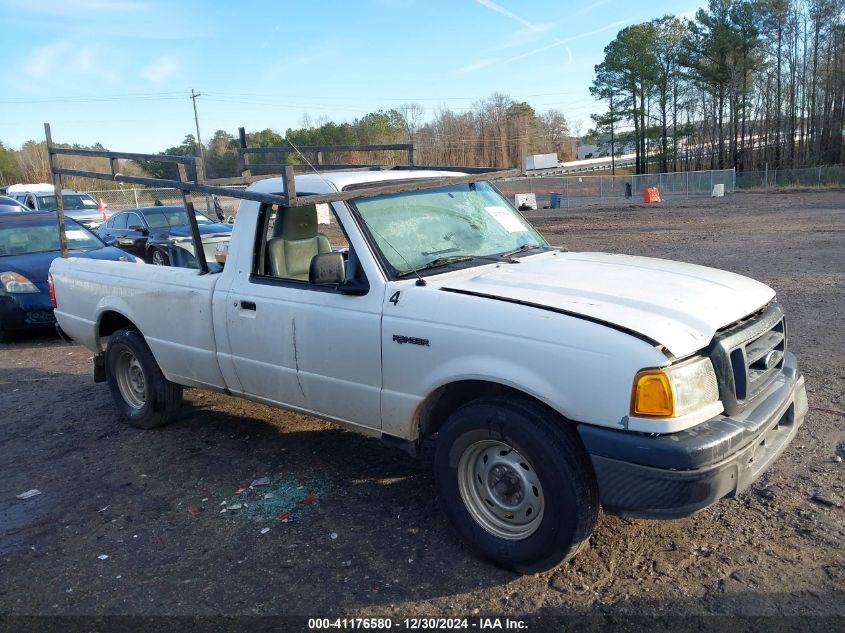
x: 248, y: 305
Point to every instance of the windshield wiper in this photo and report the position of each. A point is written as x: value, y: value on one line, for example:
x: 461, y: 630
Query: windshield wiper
x: 436, y: 263
x: 453, y: 259
x: 521, y: 249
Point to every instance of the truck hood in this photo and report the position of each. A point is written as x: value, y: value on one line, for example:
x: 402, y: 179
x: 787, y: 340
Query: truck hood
x: 677, y: 305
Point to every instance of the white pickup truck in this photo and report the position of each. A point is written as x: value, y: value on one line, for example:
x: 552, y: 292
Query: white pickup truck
x: 553, y: 382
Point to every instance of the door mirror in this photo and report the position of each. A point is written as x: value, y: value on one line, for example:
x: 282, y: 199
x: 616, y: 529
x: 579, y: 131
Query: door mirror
x: 327, y: 268
x: 137, y: 228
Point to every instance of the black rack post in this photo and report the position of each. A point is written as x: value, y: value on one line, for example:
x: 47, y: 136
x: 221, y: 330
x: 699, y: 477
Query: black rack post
x: 289, y: 182
x: 57, y: 188
x: 199, y: 252
x: 200, y: 167
x: 243, y: 168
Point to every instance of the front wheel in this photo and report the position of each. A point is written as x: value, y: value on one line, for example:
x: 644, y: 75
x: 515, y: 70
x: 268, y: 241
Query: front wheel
x: 516, y: 483
x: 146, y: 399
x: 159, y: 258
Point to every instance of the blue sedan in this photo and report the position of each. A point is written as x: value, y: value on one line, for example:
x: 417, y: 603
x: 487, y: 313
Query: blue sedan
x: 29, y: 242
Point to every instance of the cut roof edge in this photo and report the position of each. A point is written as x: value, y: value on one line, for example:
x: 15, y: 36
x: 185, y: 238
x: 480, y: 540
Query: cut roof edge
x: 335, y: 181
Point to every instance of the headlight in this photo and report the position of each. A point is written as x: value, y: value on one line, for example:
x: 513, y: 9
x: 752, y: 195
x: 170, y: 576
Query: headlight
x: 674, y: 391
x: 15, y: 283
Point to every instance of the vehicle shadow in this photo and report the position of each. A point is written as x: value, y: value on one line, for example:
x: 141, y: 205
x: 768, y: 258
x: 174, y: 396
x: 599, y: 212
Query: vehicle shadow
x: 371, y: 537
x: 391, y: 542
x: 32, y: 339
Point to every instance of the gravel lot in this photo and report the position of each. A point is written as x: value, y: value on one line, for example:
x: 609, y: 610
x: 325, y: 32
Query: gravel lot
x: 364, y: 534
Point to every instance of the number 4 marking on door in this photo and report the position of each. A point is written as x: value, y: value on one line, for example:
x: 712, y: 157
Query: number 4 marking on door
x: 394, y: 298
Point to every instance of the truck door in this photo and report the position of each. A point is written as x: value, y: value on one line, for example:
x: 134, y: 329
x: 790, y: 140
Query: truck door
x: 293, y: 343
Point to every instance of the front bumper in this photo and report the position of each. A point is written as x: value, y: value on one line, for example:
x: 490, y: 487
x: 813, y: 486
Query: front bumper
x: 90, y: 222
x: 677, y: 474
x: 26, y: 311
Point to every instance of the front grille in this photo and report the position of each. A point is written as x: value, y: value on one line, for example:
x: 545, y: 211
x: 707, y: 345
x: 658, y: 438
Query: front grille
x: 747, y: 357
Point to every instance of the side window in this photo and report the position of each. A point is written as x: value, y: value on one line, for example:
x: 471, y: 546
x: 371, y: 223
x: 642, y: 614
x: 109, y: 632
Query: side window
x: 119, y: 221
x: 132, y: 219
x: 327, y: 224
x: 290, y: 237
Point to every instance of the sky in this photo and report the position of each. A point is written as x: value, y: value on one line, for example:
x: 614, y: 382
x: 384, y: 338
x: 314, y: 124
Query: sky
x: 120, y: 72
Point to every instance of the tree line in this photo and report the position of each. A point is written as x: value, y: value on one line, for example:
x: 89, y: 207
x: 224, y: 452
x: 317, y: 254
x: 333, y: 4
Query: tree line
x: 497, y: 131
x: 745, y: 84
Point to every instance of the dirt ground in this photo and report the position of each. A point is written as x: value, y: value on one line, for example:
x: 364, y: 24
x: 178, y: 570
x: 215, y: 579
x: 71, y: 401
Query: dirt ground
x: 364, y: 535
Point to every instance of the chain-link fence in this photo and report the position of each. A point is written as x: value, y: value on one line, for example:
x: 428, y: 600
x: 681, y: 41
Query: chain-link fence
x: 822, y: 176
x: 560, y: 191
x: 135, y: 197
x: 564, y: 191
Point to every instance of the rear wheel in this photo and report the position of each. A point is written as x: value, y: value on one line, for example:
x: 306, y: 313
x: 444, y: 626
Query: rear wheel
x: 159, y: 258
x: 516, y: 483
x: 146, y: 399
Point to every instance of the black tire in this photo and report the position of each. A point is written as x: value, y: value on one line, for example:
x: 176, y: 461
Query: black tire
x: 157, y: 401
x: 5, y: 336
x: 159, y: 257
x: 548, y: 450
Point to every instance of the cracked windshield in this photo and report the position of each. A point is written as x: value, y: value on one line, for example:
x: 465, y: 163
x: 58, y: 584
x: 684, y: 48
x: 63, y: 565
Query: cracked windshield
x: 469, y: 220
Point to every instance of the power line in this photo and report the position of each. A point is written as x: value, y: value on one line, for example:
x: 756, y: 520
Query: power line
x: 143, y: 96
x: 371, y: 98
x: 270, y: 99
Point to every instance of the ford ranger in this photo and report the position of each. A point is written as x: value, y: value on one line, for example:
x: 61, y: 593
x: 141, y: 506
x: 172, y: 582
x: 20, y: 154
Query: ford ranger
x: 552, y: 383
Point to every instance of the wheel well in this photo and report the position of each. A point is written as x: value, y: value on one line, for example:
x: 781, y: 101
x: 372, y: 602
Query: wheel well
x: 447, y: 398
x: 111, y: 322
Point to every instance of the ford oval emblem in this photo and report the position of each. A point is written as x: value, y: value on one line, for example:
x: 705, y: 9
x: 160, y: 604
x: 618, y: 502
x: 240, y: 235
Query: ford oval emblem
x: 770, y: 360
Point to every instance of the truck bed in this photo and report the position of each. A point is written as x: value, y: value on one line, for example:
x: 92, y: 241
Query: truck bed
x: 171, y: 306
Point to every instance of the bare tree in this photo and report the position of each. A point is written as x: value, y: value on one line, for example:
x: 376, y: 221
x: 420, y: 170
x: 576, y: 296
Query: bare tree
x: 412, y: 116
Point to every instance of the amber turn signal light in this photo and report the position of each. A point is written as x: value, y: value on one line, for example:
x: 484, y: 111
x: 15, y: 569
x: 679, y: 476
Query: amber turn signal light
x: 652, y: 395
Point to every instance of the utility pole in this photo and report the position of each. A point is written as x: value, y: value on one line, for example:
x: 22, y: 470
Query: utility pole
x: 194, y: 96
x: 201, y: 164
x: 612, y: 139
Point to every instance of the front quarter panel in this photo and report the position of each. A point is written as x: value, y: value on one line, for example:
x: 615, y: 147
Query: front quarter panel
x: 431, y: 338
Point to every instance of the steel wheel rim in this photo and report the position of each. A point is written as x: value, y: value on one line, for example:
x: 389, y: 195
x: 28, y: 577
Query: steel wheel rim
x: 158, y: 258
x: 131, y: 379
x: 500, y: 489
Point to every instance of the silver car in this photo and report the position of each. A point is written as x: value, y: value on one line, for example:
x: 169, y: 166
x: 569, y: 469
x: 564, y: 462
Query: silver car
x: 78, y: 205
